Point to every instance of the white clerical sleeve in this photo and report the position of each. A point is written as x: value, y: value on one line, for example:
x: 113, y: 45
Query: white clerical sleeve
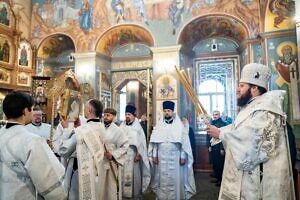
x: 252, y: 143
x: 66, y: 146
x: 45, y: 171
x: 122, y: 147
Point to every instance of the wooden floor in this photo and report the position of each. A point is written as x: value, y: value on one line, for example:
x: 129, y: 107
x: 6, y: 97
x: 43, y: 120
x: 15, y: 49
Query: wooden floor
x: 205, y: 189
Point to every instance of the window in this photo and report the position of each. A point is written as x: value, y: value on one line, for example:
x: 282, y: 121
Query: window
x: 212, y: 95
x: 215, y: 86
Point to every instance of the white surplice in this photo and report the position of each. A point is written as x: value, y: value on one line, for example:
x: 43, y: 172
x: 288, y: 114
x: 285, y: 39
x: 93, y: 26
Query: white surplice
x: 170, y: 180
x: 135, y: 175
x: 27, y: 166
x: 42, y: 130
x: 93, y: 179
x: 257, y: 162
x: 116, y: 142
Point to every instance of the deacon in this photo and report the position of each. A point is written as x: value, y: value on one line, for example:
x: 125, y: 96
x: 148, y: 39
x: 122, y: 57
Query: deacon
x: 83, y: 149
x: 171, y: 157
x: 28, y: 167
x: 37, y: 126
x: 136, y: 169
x: 116, y: 145
x: 257, y: 162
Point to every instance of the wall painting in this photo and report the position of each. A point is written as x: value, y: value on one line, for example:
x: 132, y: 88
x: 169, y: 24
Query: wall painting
x: 282, y: 58
x: 166, y: 87
x: 24, y: 54
x: 4, y: 14
x: 4, y: 49
x: 4, y: 76
x: 23, y: 79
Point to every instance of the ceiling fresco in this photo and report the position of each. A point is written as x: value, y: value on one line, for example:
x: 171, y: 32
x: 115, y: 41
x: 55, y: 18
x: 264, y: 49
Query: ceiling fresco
x: 85, y: 20
x: 122, y: 35
x: 280, y: 15
x: 212, y: 26
x: 55, y: 45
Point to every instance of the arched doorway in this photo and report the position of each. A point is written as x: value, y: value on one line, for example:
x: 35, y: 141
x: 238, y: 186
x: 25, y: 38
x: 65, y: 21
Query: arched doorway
x: 212, y: 44
x: 128, y: 49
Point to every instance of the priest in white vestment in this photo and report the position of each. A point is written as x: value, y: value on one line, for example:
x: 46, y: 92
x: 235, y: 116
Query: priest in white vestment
x: 257, y: 162
x: 37, y: 126
x: 84, y: 150
x: 116, y: 146
x: 171, y: 157
x: 136, y: 170
x: 28, y: 168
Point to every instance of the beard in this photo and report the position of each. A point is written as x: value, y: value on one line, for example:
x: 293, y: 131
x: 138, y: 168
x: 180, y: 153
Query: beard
x: 128, y: 120
x: 107, y: 122
x: 245, y: 98
x: 167, y: 117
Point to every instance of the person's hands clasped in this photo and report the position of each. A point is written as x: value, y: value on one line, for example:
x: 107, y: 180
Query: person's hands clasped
x: 155, y: 160
x: 137, y: 158
x: 108, y: 155
x: 182, y: 161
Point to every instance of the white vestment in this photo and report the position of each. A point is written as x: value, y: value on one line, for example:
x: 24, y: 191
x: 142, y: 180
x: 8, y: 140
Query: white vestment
x: 116, y: 142
x: 257, y: 162
x: 43, y: 130
x: 135, y: 175
x: 65, y: 146
x: 27, y: 166
x: 93, y: 179
x: 169, y: 143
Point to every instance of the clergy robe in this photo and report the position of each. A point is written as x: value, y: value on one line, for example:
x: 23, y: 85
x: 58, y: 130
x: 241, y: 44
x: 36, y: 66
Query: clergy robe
x: 116, y: 142
x: 170, y: 142
x: 43, y: 130
x: 257, y: 162
x: 64, y: 143
x: 28, y: 166
x: 135, y: 175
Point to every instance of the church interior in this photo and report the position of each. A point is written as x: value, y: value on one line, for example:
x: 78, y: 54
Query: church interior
x: 122, y: 51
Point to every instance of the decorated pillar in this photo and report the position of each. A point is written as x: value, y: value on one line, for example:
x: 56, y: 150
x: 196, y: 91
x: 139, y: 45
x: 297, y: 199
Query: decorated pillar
x: 165, y: 81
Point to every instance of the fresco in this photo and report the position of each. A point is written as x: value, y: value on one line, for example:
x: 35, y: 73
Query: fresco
x: 84, y: 20
x: 121, y: 36
x: 246, y: 10
x: 279, y: 15
x: 282, y: 58
x: 4, y: 49
x: 62, y: 13
x: 53, y: 46
x: 213, y: 26
x: 4, y: 14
